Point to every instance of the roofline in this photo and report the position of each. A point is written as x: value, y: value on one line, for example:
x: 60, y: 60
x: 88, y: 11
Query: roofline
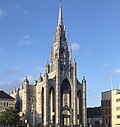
x: 109, y: 90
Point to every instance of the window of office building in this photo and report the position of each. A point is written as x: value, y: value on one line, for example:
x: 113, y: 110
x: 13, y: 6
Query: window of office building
x: 118, y: 116
x: 117, y: 108
x: 118, y: 100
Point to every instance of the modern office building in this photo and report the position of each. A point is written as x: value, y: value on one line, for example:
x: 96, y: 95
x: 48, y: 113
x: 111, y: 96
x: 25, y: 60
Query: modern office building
x: 110, y: 102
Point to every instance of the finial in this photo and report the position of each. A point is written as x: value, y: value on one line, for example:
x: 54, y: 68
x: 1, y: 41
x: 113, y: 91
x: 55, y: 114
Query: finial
x: 18, y: 88
x: 26, y: 80
x: 83, y: 77
x: 40, y: 79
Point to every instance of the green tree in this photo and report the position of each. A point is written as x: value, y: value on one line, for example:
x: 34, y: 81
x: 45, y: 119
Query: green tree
x: 10, y: 117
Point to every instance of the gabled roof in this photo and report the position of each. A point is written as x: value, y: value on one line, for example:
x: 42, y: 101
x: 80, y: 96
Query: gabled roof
x: 4, y: 95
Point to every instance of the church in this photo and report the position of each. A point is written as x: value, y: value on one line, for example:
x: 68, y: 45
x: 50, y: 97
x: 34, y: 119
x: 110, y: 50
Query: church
x: 56, y: 99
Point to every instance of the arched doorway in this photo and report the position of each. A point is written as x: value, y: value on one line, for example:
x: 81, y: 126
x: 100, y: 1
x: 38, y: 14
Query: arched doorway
x: 65, y: 103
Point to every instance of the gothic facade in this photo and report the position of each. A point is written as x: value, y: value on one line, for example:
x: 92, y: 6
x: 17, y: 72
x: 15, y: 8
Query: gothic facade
x: 57, y: 98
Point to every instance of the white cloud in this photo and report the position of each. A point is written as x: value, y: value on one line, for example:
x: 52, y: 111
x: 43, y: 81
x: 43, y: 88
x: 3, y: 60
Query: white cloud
x: 105, y: 64
x: 6, y: 86
x: 39, y: 69
x: 75, y: 46
x: 9, y: 86
x: 29, y: 77
x: 20, y: 8
x: 2, y: 12
x: 116, y: 71
x: 25, y: 40
x: 88, y: 51
x: 13, y: 70
x: 12, y: 85
x: 3, y: 85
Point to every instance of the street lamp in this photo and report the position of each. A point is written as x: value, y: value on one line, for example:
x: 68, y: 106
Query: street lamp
x: 26, y: 122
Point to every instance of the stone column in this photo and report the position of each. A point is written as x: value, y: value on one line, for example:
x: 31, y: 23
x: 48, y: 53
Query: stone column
x: 58, y: 99
x: 51, y: 106
x: 84, y: 109
x: 25, y: 101
x: 39, y: 105
x: 46, y: 97
x: 74, y: 94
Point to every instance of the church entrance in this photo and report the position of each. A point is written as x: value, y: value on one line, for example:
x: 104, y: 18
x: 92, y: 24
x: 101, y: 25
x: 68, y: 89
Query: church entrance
x: 66, y: 111
x: 66, y: 116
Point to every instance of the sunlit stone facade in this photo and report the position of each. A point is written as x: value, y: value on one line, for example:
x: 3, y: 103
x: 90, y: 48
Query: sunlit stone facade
x: 57, y: 98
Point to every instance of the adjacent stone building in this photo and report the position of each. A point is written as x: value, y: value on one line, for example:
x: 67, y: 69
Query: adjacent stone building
x: 6, y: 101
x: 57, y: 98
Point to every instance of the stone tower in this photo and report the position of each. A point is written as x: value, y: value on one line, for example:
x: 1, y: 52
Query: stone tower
x: 25, y: 101
x: 60, y: 99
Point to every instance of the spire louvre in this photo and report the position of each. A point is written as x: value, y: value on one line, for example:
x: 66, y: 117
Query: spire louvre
x: 60, y: 18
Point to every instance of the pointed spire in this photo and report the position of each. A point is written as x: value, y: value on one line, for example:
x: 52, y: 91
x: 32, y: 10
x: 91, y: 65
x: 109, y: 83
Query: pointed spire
x: 83, y: 77
x: 60, y: 19
x: 40, y: 78
x: 26, y: 80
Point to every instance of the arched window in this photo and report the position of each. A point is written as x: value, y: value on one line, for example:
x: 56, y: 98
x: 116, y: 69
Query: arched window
x: 4, y: 104
x: 7, y: 104
x: 65, y: 93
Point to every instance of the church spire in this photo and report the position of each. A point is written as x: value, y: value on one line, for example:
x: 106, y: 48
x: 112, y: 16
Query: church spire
x: 60, y: 18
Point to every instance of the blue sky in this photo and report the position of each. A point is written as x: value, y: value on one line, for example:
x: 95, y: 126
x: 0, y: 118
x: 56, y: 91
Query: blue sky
x: 26, y: 35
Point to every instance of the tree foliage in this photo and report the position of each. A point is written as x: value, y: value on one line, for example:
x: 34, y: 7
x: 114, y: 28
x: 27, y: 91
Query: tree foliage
x: 10, y: 117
